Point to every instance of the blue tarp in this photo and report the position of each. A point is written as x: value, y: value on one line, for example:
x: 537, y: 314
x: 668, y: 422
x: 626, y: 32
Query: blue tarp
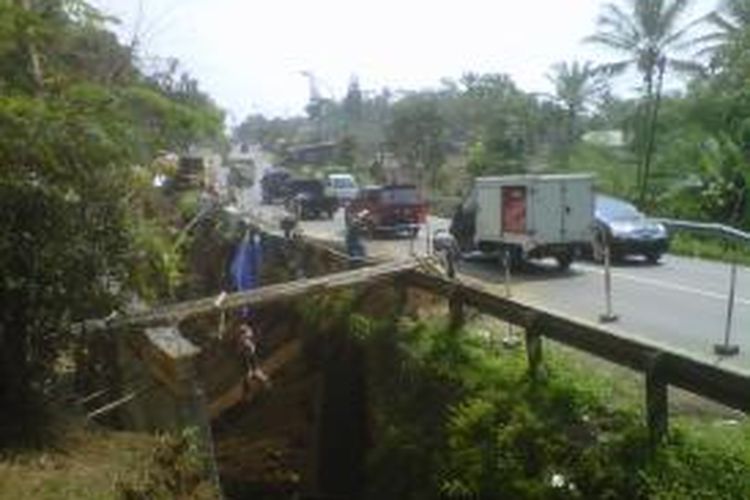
x: 244, y: 269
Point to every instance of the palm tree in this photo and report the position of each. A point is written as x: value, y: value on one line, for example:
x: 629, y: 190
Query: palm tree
x: 651, y: 34
x: 731, y: 19
x: 576, y: 85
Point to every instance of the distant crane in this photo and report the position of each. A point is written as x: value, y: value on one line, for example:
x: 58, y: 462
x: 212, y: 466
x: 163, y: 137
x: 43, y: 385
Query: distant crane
x: 316, y: 104
x: 312, y: 82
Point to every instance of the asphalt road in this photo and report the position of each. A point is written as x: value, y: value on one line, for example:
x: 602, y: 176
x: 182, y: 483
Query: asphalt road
x: 680, y: 303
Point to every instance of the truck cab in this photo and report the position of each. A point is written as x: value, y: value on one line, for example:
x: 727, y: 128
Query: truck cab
x: 395, y: 208
x: 343, y: 187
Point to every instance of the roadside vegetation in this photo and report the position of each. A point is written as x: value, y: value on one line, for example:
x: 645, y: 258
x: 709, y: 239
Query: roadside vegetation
x: 83, y: 133
x: 453, y: 414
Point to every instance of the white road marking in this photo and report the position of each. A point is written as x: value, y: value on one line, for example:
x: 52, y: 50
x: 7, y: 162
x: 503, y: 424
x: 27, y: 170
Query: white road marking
x: 665, y: 285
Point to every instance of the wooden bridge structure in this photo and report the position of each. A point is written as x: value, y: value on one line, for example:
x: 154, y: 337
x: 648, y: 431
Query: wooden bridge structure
x: 156, y: 339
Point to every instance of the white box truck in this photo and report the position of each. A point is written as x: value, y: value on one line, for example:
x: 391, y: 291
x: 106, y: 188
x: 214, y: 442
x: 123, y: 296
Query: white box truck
x: 528, y: 216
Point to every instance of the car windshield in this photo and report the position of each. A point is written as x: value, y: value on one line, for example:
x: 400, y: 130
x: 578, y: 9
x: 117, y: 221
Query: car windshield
x: 310, y: 187
x: 613, y: 209
x: 343, y: 183
x: 399, y: 195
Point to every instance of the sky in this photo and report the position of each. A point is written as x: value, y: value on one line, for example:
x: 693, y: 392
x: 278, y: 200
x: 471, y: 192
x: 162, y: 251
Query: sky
x: 249, y: 55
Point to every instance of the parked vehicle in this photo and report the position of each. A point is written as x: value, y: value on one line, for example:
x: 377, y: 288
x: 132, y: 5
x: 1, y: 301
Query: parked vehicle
x: 628, y: 231
x: 342, y: 186
x: 393, y: 209
x: 274, y: 185
x: 308, y: 200
x: 529, y: 216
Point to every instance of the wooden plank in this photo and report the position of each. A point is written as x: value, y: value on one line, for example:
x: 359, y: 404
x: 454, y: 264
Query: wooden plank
x: 235, y: 394
x: 175, y: 313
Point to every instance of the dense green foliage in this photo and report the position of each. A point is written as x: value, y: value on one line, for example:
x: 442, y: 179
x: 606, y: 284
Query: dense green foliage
x: 453, y: 416
x: 82, y: 229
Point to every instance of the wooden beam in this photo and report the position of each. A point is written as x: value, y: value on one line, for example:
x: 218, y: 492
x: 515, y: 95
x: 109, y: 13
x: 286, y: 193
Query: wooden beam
x: 175, y: 313
x: 236, y: 394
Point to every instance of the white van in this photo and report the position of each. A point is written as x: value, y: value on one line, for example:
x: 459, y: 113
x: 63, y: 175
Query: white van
x: 530, y: 216
x: 343, y: 187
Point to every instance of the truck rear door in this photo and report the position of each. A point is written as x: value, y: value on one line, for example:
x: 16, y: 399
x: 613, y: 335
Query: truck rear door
x: 578, y: 209
x: 547, y: 225
x: 514, y: 209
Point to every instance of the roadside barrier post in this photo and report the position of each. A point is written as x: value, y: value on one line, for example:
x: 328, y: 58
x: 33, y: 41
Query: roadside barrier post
x: 608, y: 316
x: 727, y: 348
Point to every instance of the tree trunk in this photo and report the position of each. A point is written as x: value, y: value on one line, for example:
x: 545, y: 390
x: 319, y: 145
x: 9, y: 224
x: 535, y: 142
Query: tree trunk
x: 35, y: 64
x: 643, y: 122
x: 651, y: 140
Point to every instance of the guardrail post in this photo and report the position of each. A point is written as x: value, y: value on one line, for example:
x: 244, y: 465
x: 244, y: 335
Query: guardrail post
x: 657, y: 408
x: 726, y: 348
x: 608, y: 316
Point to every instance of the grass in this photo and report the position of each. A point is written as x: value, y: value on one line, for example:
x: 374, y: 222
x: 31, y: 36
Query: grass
x: 462, y: 417
x: 82, y: 464
x: 708, y: 248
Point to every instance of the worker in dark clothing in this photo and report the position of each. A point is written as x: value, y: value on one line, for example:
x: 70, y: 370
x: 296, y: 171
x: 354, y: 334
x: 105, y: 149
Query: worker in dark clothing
x: 249, y: 352
x: 355, y: 226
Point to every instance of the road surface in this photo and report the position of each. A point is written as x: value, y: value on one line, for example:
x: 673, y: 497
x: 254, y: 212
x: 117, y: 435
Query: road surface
x: 680, y: 303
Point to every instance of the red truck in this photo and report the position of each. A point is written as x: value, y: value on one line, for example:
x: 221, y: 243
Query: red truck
x: 391, y: 209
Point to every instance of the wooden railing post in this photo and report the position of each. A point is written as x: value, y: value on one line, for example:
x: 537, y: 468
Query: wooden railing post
x: 657, y: 403
x: 534, y: 351
x: 456, y: 309
x: 401, y: 293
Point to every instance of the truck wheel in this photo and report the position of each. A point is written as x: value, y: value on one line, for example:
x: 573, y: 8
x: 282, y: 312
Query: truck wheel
x: 564, y: 260
x: 653, y: 257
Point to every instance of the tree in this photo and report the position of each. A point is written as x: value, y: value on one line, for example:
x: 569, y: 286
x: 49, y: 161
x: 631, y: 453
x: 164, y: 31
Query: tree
x: 576, y: 86
x: 76, y: 151
x: 651, y: 34
x: 416, y: 136
x: 732, y: 17
x: 352, y: 105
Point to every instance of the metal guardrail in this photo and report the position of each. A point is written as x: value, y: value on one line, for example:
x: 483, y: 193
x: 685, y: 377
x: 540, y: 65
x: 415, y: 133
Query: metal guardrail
x: 710, y: 228
x: 725, y: 348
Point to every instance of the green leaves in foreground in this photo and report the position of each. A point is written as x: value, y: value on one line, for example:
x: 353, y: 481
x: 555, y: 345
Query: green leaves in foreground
x: 454, y: 419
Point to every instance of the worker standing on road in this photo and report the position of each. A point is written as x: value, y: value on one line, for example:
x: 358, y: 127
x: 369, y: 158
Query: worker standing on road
x: 355, y: 225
